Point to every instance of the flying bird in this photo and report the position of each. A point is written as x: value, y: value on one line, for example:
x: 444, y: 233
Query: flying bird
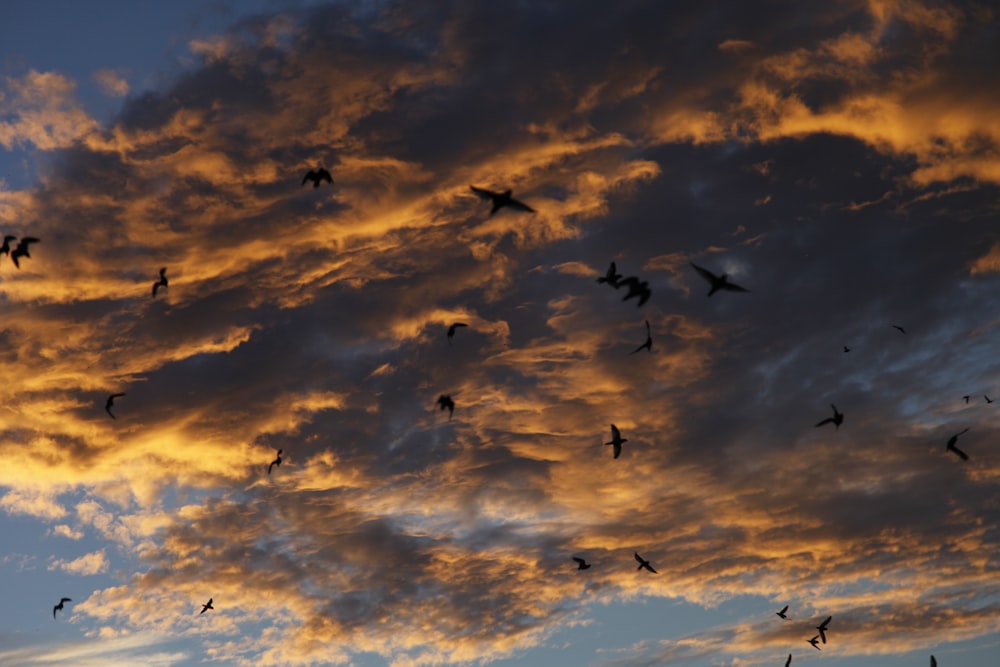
x: 815, y: 643
x: 317, y: 176
x: 846, y: 349
x: 452, y: 328
x: 110, y: 402
x: 789, y: 661
x: 648, y: 345
x: 782, y: 612
x: 611, y: 277
x: 952, y: 448
x: 5, y: 248
x: 822, y: 628
x: 501, y: 199
x: 616, y: 440
x: 899, y: 328
x: 581, y: 564
x: 643, y: 564
x: 162, y: 282
x: 275, y: 462
x: 22, y: 249
x: 837, y: 419
x: 636, y: 287
x: 966, y: 397
x: 59, y: 607
x: 988, y: 399
x: 444, y: 400
x: 205, y: 607
x: 717, y: 282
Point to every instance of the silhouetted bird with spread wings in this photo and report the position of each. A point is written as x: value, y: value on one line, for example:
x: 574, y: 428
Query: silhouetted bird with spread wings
x: 899, y: 329
x: 822, y: 628
x: 275, y: 462
x: 317, y: 176
x: 110, y: 402
x: 636, y: 288
x: 162, y: 282
x: 952, y: 448
x: 966, y: 397
x: 815, y: 643
x: 988, y: 399
x: 782, y: 613
x: 501, y: 199
x: 444, y: 400
x: 648, y: 345
x: 616, y: 440
x: 59, y: 607
x: 846, y: 349
x: 22, y: 249
x: 717, y: 282
x: 581, y: 564
x: 643, y: 563
x: 452, y: 328
x: 837, y: 419
x: 205, y: 607
x: 611, y: 277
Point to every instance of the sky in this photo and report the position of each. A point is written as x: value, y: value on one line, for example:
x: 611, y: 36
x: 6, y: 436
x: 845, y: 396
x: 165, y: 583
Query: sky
x: 841, y: 161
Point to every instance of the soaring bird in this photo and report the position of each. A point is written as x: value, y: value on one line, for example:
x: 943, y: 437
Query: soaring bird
x: 837, y: 419
x: 581, y: 564
x: 5, y: 248
x: 110, y: 402
x: 22, y: 249
x: 616, y: 440
x: 162, y: 282
x: 611, y: 277
x: 966, y: 397
x: 648, y: 345
x: 899, y: 329
x: 59, y: 607
x: 636, y: 287
x: 444, y: 400
x: 205, y: 607
x: 782, y: 612
x: 275, y: 462
x: 452, y: 328
x: 822, y: 628
x: 846, y: 349
x: 815, y: 643
x: 952, y: 448
x: 717, y: 282
x: 643, y: 563
x: 789, y: 661
x: 501, y: 199
x: 317, y: 176
x: 988, y: 399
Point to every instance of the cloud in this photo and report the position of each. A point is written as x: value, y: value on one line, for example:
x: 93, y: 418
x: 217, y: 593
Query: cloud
x: 39, y: 110
x: 88, y: 564
x: 112, y: 82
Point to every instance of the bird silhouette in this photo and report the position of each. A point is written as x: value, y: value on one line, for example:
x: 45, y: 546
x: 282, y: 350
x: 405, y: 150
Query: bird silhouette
x: 501, y: 199
x: 952, y: 448
x: 611, y: 277
x: 636, y: 288
x: 933, y: 661
x: 648, y: 345
x: 452, y: 328
x: 616, y: 440
x: 789, y: 661
x: 782, y: 612
x: 59, y: 607
x: 581, y: 564
x: 846, y: 349
x: 966, y: 397
x: 317, y: 176
x: 275, y: 462
x: 110, y: 402
x: 717, y: 282
x: 22, y: 249
x: 205, y: 607
x: 815, y: 643
x: 643, y: 563
x: 837, y: 419
x: 988, y: 399
x: 5, y: 248
x: 899, y: 328
x: 822, y: 628
x: 444, y: 400
x: 162, y: 282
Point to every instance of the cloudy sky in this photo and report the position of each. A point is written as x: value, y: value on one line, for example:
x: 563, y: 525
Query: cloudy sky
x: 842, y: 163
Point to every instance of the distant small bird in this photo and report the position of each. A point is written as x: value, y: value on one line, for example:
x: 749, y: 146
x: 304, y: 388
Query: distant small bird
x: 822, y: 628
x: 648, y: 345
x: 317, y: 176
x: 988, y: 399
x: 205, y: 607
x: 636, y: 288
x: 59, y: 607
x: 789, y: 661
x: 782, y: 612
x: 616, y: 440
x: 110, y: 402
x: 22, y: 249
x: 643, y: 563
x: 452, y: 328
x: 966, y: 397
x: 275, y: 462
x: 444, y: 400
x: 5, y: 248
x: 581, y: 564
x: 837, y: 419
x: 815, y: 643
x: 717, y: 282
x: 611, y: 277
x: 952, y: 448
x: 501, y: 199
x: 899, y: 328
x: 162, y: 282
x: 846, y: 349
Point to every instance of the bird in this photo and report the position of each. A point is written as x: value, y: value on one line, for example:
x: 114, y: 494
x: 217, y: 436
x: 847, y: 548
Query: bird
x: 717, y: 282
x: 988, y: 399
x: 581, y: 564
x: 275, y: 462
x: 822, y: 628
x: 501, y: 199
x: 846, y: 349
x: 317, y: 176
x: 952, y: 448
x: 5, y: 248
x: 452, y: 328
x: 899, y: 328
x: 782, y: 612
x: 59, y: 607
x: 933, y: 661
x: 22, y: 249
x: 815, y: 643
x: 162, y: 282
x: 205, y: 607
x: 636, y: 287
x: 966, y: 397
x: 616, y: 440
x: 837, y: 419
x: 648, y: 345
x: 789, y: 661
x: 611, y: 277
x: 110, y: 402
x: 444, y: 400
x: 643, y: 564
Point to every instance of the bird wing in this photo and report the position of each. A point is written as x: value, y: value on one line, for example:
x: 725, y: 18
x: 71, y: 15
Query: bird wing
x: 579, y: 560
x: 28, y: 239
x: 324, y: 175
x: 309, y: 175
x: 615, y: 433
x: 617, y: 449
x: 962, y: 455
x: 650, y: 568
x: 520, y: 205
x: 638, y: 558
x: 933, y: 661
x: 483, y: 193
x: 826, y: 622
x: 113, y: 396
x: 828, y: 420
x: 705, y: 273
x: 789, y: 661
x: 732, y: 287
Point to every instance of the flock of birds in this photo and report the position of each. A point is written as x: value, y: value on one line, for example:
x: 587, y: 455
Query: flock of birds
x: 636, y: 288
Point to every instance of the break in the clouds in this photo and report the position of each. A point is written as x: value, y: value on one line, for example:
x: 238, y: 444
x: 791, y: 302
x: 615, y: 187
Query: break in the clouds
x: 838, y: 162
